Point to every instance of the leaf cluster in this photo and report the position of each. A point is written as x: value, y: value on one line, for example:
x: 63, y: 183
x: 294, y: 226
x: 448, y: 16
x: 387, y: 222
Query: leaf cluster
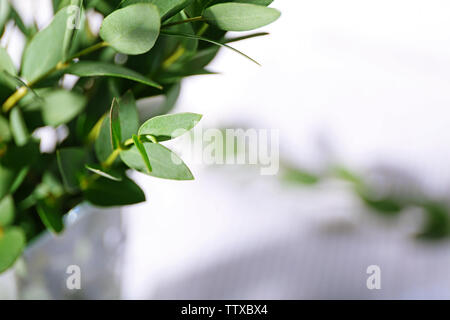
x: 145, y: 48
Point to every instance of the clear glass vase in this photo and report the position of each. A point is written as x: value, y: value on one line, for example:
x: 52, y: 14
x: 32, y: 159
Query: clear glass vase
x: 84, y: 262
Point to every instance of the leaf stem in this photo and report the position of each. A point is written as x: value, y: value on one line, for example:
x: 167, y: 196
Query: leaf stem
x: 112, y: 157
x: 194, y: 19
x: 89, y: 50
x: 14, y: 98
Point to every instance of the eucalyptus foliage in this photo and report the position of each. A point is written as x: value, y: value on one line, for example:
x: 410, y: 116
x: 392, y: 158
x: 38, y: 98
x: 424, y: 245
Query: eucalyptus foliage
x: 144, y: 49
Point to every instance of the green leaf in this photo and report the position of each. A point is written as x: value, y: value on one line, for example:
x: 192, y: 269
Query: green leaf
x: 143, y: 152
x: 14, y: 166
x: 71, y: 162
x: 6, y: 63
x: 258, y: 2
x: 45, y: 50
x: 7, y: 177
x: 114, y: 121
x: 61, y: 106
x: 240, y: 16
x: 106, y: 193
x: 7, y: 211
x: 50, y: 216
x: 195, y: 37
x: 75, y: 11
x: 295, y: 175
x: 170, y: 126
x: 7, y: 71
x: 167, y: 8
x: 437, y: 221
x: 386, y: 206
x: 12, y: 243
x: 129, y: 117
x: 102, y: 69
x: 19, y: 129
x: 106, y: 173
x: 165, y: 163
x: 28, y: 32
x: 4, y: 13
x: 132, y: 30
x: 103, y: 146
x: 5, y: 132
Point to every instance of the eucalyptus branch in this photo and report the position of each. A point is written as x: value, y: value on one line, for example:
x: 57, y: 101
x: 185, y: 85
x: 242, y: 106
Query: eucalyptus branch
x: 23, y: 90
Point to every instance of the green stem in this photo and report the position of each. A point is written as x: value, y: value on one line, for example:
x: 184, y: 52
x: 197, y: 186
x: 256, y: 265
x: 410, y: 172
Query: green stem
x: 112, y: 157
x: 89, y: 50
x: 194, y: 19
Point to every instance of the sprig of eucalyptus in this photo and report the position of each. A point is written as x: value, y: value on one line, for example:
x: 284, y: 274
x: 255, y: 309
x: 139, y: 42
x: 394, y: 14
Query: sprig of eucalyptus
x: 144, y: 49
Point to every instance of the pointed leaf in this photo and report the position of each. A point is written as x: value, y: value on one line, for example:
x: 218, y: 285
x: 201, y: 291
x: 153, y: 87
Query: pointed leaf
x: 6, y: 63
x: 103, y: 146
x: 4, y: 13
x: 170, y: 126
x: 45, y: 50
x: 50, y: 216
x: 129, y: 117
x: 165, y: 163
x: 106, y: 173
x: 102, y: 69
x: 132, y: 30
x: 114, y: 121
x: 106, y: 193
x: 143, y: 152
x: 186, y: 35
x: 71, y: 163
x: 240, y: 16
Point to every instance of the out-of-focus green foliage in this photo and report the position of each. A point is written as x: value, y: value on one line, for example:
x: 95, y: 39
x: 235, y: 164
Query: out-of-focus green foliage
x: 387, y: 203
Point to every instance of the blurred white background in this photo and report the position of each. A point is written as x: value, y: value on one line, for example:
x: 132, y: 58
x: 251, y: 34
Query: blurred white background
x: 367, y: 78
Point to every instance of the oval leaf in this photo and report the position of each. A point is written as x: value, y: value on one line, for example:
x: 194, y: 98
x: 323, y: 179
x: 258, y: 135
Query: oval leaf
x: 240, y: 16
x: 61, y: 106
x: 170, y: 126
x: 19, y: 129
x: 7, y: 211
x: 133, y: 29
x: 12, y: 242
x: 165, y: 163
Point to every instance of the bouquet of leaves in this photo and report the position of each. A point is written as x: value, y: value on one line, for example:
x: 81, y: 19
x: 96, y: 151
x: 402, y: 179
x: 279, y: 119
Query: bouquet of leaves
x: 144, y: 49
